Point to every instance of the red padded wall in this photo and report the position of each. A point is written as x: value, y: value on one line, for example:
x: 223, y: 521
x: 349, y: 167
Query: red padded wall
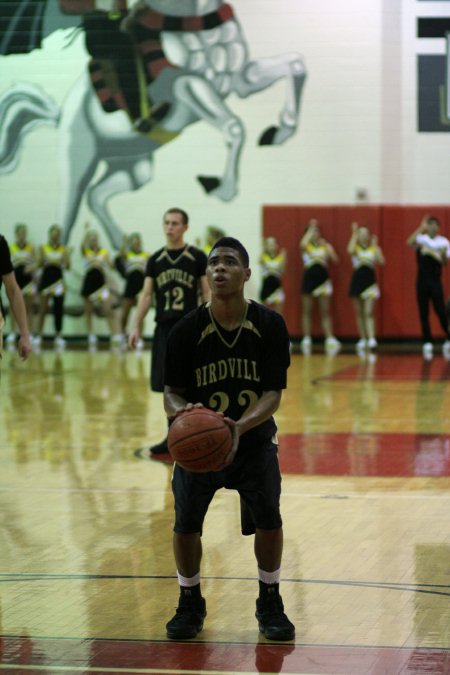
x: 396, y: 311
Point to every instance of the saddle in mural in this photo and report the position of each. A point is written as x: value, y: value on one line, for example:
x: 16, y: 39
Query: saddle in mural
x: 155, y: 69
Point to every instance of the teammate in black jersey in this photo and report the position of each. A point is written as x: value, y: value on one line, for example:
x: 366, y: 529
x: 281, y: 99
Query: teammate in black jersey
x: 175, y: 277
x: 230, y: 355
x: 16, y: 301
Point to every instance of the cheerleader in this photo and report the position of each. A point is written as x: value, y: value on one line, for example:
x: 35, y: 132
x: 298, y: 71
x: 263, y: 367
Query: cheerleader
x: 364, y: 291
x: 94, y: 290
x: 53, y: 258
x: 131, y: 263
x: 272, y: 263
x: 212, y: 235
x: 432, y: 253
x: 23, y: 258
x: 316, y: 285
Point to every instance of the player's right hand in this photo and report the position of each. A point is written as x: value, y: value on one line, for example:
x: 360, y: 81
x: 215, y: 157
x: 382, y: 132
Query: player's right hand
x: 133, y: 338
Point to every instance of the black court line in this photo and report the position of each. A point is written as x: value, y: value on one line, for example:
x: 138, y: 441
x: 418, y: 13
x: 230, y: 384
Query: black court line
x: 387, y: 585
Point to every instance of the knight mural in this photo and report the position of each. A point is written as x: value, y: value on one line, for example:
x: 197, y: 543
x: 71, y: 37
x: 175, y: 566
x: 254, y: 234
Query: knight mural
x: 156, y: 67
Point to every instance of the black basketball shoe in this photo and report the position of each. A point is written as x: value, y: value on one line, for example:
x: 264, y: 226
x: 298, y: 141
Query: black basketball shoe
x: 160, y: 448
x: 188, y: 619
x: 272, y: 620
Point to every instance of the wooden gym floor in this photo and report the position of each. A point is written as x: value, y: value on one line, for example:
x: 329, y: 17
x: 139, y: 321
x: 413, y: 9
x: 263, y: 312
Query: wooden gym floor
x: 87, y: 579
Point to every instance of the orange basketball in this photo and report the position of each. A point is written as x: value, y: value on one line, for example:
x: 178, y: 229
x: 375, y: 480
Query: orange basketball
x: 199, y: 440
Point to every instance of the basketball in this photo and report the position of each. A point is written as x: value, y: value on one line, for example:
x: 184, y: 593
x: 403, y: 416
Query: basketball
x: 199, y: 440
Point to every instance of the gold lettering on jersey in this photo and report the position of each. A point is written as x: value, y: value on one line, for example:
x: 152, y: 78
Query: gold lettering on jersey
x: 212, y: 372
x: 180, y: 276
x: 241, y: 369
x: 222, y: 369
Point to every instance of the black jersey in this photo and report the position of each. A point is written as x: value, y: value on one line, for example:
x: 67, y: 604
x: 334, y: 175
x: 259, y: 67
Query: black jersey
x: 175, y: 274
x: 229, y: 370
x: 6, y: 266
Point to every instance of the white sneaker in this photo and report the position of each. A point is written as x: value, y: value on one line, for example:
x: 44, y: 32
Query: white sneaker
x: 360, y: 345
x: 446, y: 349
x: 36, y: 341
x: 427, y: 350
x: 332, y: 345
x: 59, y: 342
x: 372, y: 343
x: 92, y: 339
x: 305, y: 345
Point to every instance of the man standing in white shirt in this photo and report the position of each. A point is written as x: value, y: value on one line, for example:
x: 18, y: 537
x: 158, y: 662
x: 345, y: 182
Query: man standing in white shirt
x: 433, y: 251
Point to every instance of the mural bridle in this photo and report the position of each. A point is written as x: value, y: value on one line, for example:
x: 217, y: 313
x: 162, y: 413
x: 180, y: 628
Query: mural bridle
x: 199, y: 67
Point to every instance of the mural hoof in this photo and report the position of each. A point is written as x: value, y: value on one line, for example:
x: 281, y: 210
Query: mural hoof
x: 209, y: 183
x: 267, y: 137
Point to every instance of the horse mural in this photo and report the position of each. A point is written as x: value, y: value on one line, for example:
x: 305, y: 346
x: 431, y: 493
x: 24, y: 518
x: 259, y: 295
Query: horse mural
x: 195, y: 55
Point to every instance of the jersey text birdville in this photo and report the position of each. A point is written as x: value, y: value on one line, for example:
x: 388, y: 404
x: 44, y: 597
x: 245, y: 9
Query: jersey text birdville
x: 244, y: 369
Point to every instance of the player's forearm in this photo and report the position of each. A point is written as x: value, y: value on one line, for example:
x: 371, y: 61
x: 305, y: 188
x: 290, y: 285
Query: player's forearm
x: 351, y: 246
x: 173, y: 401
x: 411, y: 241
x: 143, y: 306
x: 17, y: 304
x: 261, y: 411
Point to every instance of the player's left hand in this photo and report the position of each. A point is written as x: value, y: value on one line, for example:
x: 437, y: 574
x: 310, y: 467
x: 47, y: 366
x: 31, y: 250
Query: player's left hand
x: 188, y: 406
x: 24, y: 347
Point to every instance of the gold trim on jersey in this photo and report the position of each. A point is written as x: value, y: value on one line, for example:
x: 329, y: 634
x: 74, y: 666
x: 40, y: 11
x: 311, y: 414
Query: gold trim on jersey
x: 208, y: 330
x: 249, y: 325
x: 165, y: 254
x: 213, y: 327
x: 230, y: 345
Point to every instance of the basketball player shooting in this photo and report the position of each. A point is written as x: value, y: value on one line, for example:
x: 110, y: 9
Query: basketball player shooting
x: 230, y: 355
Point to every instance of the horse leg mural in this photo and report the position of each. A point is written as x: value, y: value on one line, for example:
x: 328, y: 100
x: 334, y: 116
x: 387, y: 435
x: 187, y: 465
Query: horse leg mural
x: 262, y: 73
x: 191, y: 63
x: 88, y: 137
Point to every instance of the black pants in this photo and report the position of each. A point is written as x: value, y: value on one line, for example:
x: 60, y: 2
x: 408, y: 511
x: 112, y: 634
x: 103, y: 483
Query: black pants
x: 58, y: 311
x: 431, y: 290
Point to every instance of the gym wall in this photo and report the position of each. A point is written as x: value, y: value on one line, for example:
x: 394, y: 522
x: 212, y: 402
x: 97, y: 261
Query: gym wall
x: 396, y: 310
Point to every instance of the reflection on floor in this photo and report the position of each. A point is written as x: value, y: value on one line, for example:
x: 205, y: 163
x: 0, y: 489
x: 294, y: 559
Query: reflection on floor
x: 87, y: 579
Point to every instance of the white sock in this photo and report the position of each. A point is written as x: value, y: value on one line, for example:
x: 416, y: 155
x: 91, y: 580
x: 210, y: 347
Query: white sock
x: 269, y: 577
x: 188, y: 582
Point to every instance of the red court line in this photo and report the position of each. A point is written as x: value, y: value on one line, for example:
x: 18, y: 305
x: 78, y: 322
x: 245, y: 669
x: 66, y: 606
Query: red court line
x: 366, y: 454
x: 395, y: 367
x: 74, y: 655
x: 362, y: 454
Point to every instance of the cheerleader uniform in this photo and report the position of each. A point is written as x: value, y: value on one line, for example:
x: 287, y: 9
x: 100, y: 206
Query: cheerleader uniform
x: 363, y: 282
x: 132, y: 267
x: 94, y: 286
x: 316, y: 281
x: 51, y: 283
x: 23, y: 257
x: 271, y: 269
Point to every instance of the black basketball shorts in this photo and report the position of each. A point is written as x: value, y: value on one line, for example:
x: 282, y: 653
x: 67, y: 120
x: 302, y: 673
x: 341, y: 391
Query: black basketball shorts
x: 254, y: 475
x: 158, y: 358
